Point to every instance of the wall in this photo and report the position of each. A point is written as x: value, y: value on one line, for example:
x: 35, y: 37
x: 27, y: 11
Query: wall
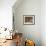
x: 29, y: 7
x: 43, y: 22
x: 6, y: 13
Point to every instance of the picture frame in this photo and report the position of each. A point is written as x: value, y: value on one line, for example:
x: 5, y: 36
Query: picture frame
x: 28, y: 19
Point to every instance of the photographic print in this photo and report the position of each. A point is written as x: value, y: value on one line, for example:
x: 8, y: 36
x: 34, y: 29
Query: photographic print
x: 29, y: 19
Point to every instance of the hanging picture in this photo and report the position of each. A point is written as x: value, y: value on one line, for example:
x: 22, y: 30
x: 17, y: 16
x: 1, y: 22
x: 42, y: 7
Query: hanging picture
x: 29, y: 19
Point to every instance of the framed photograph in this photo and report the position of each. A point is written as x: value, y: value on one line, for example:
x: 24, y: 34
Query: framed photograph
x: 29, y: 19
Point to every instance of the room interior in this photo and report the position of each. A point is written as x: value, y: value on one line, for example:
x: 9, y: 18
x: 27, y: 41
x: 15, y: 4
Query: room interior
x: 22, y: 23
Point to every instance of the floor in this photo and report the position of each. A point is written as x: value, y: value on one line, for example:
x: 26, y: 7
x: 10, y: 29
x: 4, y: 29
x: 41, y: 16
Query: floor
x: 9, y: 43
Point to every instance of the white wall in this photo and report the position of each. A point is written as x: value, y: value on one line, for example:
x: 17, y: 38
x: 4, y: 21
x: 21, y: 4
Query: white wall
x: 6, y: 13
x: 43, y: 22
x: 29, y: 7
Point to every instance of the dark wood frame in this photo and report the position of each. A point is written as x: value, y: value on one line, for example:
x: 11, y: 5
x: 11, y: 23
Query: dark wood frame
x: 28, y: 16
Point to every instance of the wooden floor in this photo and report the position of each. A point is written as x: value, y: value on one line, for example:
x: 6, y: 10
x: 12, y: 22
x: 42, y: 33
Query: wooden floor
x: 9, y: 43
